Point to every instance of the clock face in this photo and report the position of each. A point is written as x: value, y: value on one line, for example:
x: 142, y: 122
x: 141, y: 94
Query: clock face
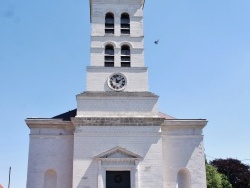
x: 117, y: 81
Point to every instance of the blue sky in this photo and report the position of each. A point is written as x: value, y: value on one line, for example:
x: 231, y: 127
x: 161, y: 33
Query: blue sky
x: 200, y: 69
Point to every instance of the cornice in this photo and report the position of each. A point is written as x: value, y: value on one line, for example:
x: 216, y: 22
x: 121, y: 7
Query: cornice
x: 119, y: 121
x: 49, y: 123
x: 184, y: 123
x: 117, y: 149
x: 113, y: 69
x: 90, y: 7
x: 118, y: 37
x: 101, y: 94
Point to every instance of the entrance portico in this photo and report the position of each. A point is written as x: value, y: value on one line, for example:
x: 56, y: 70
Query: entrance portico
x: 118, y: 167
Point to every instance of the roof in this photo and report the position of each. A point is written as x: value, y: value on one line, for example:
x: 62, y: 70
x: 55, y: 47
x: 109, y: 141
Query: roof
x: 72, y: 113
x: 166, y: 116
x: 65, y: 116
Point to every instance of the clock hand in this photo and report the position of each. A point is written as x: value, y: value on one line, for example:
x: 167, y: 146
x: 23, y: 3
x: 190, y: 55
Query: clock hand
x: 114, y: 82
x: 118, y: 79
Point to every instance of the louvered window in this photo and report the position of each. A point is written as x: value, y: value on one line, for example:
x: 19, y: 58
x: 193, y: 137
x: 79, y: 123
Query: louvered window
x: 125, y: 24
x: 109, y: 23
x: 125, y: 56
x: 109, y: 56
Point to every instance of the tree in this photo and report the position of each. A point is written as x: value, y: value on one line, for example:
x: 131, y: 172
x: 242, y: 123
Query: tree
x: 238, y: 173
x: 225, y: 182
x: 215, y: 179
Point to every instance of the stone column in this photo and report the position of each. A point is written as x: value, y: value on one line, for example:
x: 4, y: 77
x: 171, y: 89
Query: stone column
x: 117, y: 56
x: 100, y: 175
x: 136, y: 175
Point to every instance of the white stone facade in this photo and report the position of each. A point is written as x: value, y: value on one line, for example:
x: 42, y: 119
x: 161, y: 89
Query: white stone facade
x: 164, y: 146
x: 183, y: 150
x: 51, y: 148
x: 111, y: 104
x: 116, y: 131
x: 144, y: 141
x: 137, y: 78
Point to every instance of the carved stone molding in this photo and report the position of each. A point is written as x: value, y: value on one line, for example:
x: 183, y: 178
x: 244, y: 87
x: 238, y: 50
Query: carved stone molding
x: 126, y: 121
x: 118, y: 159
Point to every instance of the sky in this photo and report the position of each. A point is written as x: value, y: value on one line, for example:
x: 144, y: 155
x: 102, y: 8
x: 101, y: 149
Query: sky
x: 200, y: 69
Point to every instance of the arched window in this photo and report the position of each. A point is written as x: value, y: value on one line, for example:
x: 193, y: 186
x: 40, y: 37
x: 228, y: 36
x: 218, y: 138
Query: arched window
x: 183, y: 178
x: 109, y: 23
x: 50, y: 179
x: 125, y: 23
x: 125, y: 56
x: 109, y: 56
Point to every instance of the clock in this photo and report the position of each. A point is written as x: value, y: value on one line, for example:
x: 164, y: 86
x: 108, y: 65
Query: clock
x: 117, y: 81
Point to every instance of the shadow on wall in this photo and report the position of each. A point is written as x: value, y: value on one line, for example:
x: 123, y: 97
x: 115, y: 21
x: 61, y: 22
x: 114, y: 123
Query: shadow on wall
x: 183, y: 178
x: 50, y: 179
x: 88, y: 180
x: 185, y: 155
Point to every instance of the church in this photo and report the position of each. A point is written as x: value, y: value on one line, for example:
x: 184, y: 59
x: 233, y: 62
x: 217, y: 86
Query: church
x: 116, y: 137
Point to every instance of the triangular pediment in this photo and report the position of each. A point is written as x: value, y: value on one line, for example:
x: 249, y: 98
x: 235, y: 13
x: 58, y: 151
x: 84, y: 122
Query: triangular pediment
x: 118, y: 153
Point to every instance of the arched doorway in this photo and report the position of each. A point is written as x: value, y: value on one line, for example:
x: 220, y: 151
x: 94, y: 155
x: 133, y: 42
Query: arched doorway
x: 183, y: 178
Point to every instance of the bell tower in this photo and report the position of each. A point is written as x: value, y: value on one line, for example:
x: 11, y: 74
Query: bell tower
x: 117, y: 46
x: 117, y: 80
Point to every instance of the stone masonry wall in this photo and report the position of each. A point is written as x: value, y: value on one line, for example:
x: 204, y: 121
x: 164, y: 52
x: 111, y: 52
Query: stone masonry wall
x: 90, y: 141
x: 50, y: 149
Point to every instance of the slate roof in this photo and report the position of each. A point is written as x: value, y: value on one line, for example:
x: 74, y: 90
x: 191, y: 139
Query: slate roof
x: 72, y: 113
x: 166, y: 116
x: 66, y: 116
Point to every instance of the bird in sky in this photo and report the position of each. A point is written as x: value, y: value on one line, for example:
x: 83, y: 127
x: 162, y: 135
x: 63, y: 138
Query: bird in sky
x: 156, y: 42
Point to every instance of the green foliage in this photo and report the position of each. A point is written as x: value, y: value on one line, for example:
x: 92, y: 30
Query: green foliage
x: 215, y: 179
x: 225, y: 182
